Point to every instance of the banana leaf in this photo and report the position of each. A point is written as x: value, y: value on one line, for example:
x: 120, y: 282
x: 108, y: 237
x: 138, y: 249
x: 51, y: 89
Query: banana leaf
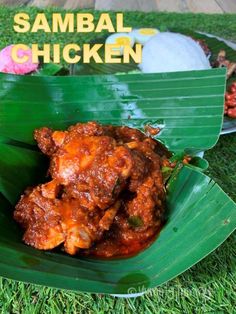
x: 186, y: 106
x: 50, y: 69
x: 200, y: 216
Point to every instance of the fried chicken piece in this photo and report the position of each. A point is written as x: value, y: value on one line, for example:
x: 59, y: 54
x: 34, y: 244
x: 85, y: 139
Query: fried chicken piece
x: 96, y: 163
x: 40, y: 219
x: 141, y: 215
x: 50, y: 222
x: 143, y: 212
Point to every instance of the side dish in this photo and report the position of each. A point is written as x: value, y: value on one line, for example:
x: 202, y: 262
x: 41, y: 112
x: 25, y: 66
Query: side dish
x: 230, y: 101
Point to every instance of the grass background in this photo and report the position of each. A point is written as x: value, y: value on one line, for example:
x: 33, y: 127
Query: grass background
x: 209, y: 286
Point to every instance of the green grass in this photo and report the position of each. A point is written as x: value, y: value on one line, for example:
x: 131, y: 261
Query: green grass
x: 209, y: 286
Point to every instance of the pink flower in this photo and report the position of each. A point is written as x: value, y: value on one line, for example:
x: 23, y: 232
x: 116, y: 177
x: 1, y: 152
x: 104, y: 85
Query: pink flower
x: 7, y: 65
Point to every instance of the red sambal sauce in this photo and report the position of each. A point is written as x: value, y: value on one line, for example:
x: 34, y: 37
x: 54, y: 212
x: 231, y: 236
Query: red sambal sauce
x: 105, y: 194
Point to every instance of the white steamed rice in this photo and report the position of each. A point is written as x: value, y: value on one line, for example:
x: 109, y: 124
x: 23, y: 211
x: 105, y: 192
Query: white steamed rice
x: 172, y: 52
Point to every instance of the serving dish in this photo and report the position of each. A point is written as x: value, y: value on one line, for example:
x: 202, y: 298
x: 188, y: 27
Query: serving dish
x: 189, y: 112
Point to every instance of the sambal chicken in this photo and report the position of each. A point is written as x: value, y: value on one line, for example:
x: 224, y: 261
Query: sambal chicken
x: 104, y: 196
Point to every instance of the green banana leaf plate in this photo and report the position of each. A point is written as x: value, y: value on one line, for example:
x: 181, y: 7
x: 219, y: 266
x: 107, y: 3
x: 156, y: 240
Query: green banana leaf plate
x: 188, y: 106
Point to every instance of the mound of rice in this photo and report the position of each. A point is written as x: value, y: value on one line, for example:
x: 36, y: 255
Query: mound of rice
x: 172, y: 52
